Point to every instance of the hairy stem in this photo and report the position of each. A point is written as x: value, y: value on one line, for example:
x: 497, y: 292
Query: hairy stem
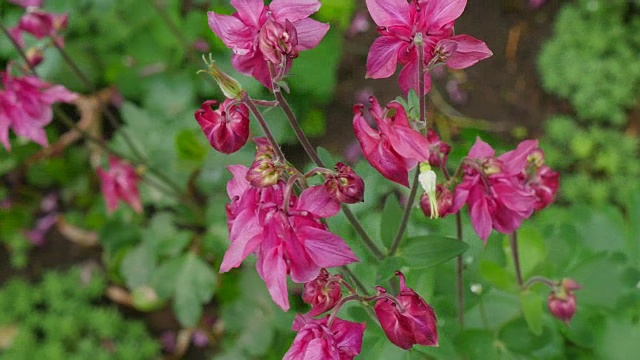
x: 423, y: 120
x: 513, y: 241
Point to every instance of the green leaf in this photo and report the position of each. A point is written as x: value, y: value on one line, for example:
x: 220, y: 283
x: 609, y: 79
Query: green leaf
x: 387, y: 268
x: 138, y: 265
x: 326, y: 157
x: 390, y: 220
x: 425, y: 251
x: 531, y: 304
x: 477, y: 344
x: 498, y: 276
x: 620, y: 339
x: 516, y: 335
x: 531, y: 248
x: 189, y: 145
x: 194, y: 287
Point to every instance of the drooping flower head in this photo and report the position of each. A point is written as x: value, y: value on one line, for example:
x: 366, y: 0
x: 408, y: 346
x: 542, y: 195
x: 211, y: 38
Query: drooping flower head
x: 345, y: 186
x: 258, y: 33
x: 227, y: 127
x: 414, y: 323
x: 288, y: 237
x: 317, y: 339
x: 394, y: 147
x: 540, y: 179
x: 120, y: 182
x: 398, y: 23
x: 562, y: 300
x: 322, y: 293
x: 25, y: 106
x: 493, y: 188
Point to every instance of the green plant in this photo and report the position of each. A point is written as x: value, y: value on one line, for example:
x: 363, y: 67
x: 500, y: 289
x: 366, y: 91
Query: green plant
x: 591, y: 60
x: 62, y: 318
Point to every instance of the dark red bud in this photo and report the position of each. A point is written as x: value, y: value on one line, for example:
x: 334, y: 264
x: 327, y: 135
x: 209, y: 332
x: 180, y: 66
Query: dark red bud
x: 345, y: 186
x: 444, y: 199
x: 226, y: 128
x: 322, y: 293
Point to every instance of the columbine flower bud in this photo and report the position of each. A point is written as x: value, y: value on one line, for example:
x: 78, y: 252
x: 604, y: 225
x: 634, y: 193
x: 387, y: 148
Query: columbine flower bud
x: 414, y: 323
x: 319, y: 339
x: 345, y: 186
x: 264, y: 171
x: 562, y: 301
x: 427, y: 179
x: 230, y: 87
x: 34, y: 56
x: 322, y: 293
x: 277, y: 41
x: 444, y: 200
x: 226, y: 128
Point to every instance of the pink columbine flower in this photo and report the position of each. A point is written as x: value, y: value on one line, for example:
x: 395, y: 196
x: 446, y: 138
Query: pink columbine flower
x: 288, y: 239
x: 227, y: 127
x: 345, y: 186
x: 398, y: 23
x: 562, y: 301
x: 493, y: 188
x: 41, y: 24
x: 25, y: 106
x: 322, y: 293
x: 241, y: 32
x: 120, y: 182
x: 317, y: 339
x: 415, y: 323
x: 540, y: 179
x: 27, y: 3
x: 395, y: 147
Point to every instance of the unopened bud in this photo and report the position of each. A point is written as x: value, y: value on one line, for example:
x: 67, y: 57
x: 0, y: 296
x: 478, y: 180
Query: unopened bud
x: 438, y: 149
x: 34, y: 56
x: 230, y: 87
x: 444, y: 201
x: 345, y: 186
x: 427, y: 179
x: 562, y: 301
x: 264, y: 171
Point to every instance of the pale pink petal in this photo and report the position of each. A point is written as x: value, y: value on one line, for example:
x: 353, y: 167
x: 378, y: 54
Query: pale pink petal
x: 293, y: 10
x: 326, y: 249
x: 232, y: 31
x: 468, y: 51
x: 480, y: 150
x: 515, y: 161
x: 383, y: 57
x: 274, y: 274
x: 108, y: 188
x: 58, y: 93
x: 310, y: 33
x: 31, y: 130
x: 249, y: 11
x: 390, y: 12
x: 318, y: 201
x: 245, y: 237
x: 442, y: 12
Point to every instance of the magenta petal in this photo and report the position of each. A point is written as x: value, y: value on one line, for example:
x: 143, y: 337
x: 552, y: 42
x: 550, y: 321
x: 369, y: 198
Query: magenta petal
x: 249, y: 11
x: 232, y: 31
x: 383, y: 57
x: 515, y: 161
x: 389, y: 12
x: 246, y: 236
x: 318, y: 201
x: 310, y: 33
x: 108, y: 190
x: 238, y: 184
x: 274, y: 274
x: 293, y: 10
x: 480, y: 149
x: 253, y: 65
x: 468, y: 51
x: 481, y: 219
x: 4, y: 131
x: 410, y: 144
x: 442, y: 12
x: 408, y: 78
x: 326, y: 249
x: 31, y: 131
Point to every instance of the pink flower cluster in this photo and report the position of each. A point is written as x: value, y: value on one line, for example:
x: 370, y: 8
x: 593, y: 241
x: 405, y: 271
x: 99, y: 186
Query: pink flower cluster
x: 120, y: 182
x: 503, y: 191
x: 38, y: 23
x: 284, y: 231
x: 400, y: 21
x: 259, y: 34
x: 25, y: 106
x: 334, y: 339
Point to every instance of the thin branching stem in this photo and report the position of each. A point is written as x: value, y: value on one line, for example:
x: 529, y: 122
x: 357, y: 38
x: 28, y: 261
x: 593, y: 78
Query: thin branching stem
x: 513, y: 241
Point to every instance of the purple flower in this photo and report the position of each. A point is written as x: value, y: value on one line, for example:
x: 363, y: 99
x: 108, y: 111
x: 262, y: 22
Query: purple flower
x: 241, y: 32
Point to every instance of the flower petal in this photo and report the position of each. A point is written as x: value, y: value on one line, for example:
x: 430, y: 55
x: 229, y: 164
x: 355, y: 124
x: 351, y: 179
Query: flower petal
x: 468, y: 51
x: 293, y: 10
x: 481, y: 219
x: 249, y: 11
x: 389, y: 12
x: 310, y: 33
x: 232, y: 31
x: 318, y: 201
x: 408, y: 78
x: 326, y: 249
x: 383, y: 57
x: 442, y: 12
x: 480, y: 149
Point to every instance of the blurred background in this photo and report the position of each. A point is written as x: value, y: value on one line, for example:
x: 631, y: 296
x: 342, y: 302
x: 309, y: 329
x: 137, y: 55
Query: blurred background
x: 77, y: 283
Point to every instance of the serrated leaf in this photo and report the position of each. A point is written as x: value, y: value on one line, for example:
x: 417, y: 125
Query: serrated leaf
x: 390, y: 220
x: 531, y: 304
x: 425, y: 251
x: 194, y: 287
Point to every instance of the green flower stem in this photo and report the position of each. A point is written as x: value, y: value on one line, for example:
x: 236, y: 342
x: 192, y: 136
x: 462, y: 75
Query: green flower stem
x: 539, y: 279
x: 313, y: 155
x: 460, y: 274
x: 422, y: 120
x: 265, y: 128
x: 513, y: 242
